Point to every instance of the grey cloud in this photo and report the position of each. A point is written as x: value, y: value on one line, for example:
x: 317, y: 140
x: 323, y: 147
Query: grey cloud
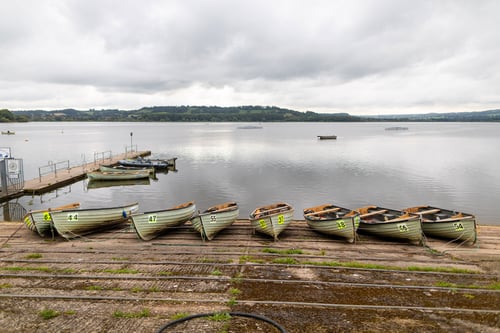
x: 298, y: 50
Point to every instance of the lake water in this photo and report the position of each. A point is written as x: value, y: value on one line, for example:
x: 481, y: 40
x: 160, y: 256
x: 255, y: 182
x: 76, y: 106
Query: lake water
x: 449, y: 165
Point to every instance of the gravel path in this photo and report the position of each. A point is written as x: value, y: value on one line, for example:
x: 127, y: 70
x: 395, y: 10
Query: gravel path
x: 306, y: 282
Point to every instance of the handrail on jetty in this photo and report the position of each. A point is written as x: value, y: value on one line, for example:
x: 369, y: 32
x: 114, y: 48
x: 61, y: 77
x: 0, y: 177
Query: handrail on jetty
x: 131, y: 149
x: 98, y: 157
x: 53, y: 167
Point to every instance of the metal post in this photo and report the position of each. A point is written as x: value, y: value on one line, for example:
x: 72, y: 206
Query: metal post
x: 3, y: 176
x: 131, y: 149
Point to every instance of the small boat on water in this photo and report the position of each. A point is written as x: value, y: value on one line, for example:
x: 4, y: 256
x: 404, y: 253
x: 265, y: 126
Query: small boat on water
x: 149, y: 225
x: 121, y: 168
x: 148, y: 163
x: 396, y: 128
x: 118, y: 175
x: 333, y: 220
x: 327, y: 137
x: 40, y: 220
x: 390, y: 223
x: 215, y: 219
x: 8, y: 132
x: 249, y: 127
x: 445, y: 223
x: 272, y: 219
x: 72, y: 223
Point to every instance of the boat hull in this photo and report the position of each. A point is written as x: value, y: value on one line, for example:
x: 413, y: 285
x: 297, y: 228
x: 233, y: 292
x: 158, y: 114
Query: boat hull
x: 460, y: 230
x: 333, y: 221
x: 122, y: 169
x: 448, y: 224
x: 127, y: 175
x: 213, y: 220
x: 40, y: 221
x: 409, y: 229
x: 150, y: 225
x: 272, y: 220
x: 390, y: 223
x: 148, y: 163
x: 78, y: 222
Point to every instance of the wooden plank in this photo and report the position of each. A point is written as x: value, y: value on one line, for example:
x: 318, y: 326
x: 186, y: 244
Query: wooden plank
x: 374, y: 213
x: 331, y: 210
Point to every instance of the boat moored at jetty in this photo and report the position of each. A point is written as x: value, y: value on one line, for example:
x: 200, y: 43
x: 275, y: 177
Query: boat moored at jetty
x: 118, y: 175
x: 148, y: 163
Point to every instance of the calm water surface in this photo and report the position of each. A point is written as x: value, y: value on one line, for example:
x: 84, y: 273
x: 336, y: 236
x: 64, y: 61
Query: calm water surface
x: 449, y: 165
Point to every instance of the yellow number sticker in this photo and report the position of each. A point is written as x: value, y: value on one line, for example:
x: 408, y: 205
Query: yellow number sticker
x: 403, y: 227
x: 72, y: 217
x: 262, y: 223
x: 341, y: 224
x: 281, y: 219
x: 458, y: 226
x: 152, y: 218
x: 46, y: 216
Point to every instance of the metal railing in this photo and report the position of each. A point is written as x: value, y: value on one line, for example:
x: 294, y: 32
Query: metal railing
x: 52, y: 167
x: 130, y: 149
x: 102, y: 156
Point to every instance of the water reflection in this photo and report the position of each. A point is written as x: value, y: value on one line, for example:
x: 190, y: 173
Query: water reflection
x: 438, y: 164
x: 93, y: 184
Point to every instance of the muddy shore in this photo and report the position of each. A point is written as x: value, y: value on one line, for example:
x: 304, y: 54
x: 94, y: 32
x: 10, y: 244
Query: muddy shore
x: 306, y: 282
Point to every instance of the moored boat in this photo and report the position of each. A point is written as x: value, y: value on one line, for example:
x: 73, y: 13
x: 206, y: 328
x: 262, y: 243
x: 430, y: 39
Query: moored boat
x: 72, y: 223
x: 272, y: 219
x: 148, y: 163
x: 390, y: 223
x: 445, y: 223
x: 149, y: 225
x: 120, y: 169
x: 117, y: 175
x: 327, y: 137
x: 333, y: 220
x: 8, y: 132
x: 39, y: 220
x: 215, y: 219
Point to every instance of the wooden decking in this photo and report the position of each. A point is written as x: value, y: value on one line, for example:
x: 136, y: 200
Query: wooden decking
x: 64, y: 177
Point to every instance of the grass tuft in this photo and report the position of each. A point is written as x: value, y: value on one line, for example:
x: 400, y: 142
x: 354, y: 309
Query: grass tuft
x: 48, y: 314
x: 142, y: 314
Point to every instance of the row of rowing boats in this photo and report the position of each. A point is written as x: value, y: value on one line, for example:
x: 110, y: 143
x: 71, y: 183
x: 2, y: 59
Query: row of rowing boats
x: 411, y: 224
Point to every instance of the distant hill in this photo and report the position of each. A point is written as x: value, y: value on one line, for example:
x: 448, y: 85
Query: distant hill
x: 234, y: 114
x: 490, y: 115
x: 188, y: 114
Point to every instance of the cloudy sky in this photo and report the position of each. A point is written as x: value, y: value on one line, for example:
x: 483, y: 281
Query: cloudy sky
x: 357, y: 56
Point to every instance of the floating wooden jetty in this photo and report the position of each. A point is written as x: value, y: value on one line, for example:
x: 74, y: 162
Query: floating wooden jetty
x: 52, y: 181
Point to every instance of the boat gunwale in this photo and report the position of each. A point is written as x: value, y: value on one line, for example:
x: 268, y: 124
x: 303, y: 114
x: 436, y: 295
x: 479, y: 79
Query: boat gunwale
x: 178, y: 207
x: 102, y: 208
x: 279, y: 207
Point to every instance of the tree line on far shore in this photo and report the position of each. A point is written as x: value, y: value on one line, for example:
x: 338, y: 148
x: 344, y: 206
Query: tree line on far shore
x: 228, y: 114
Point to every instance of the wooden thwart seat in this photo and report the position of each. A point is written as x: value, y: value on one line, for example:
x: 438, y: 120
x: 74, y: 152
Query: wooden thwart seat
x: 382, y: 211
x: 331, y: 210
